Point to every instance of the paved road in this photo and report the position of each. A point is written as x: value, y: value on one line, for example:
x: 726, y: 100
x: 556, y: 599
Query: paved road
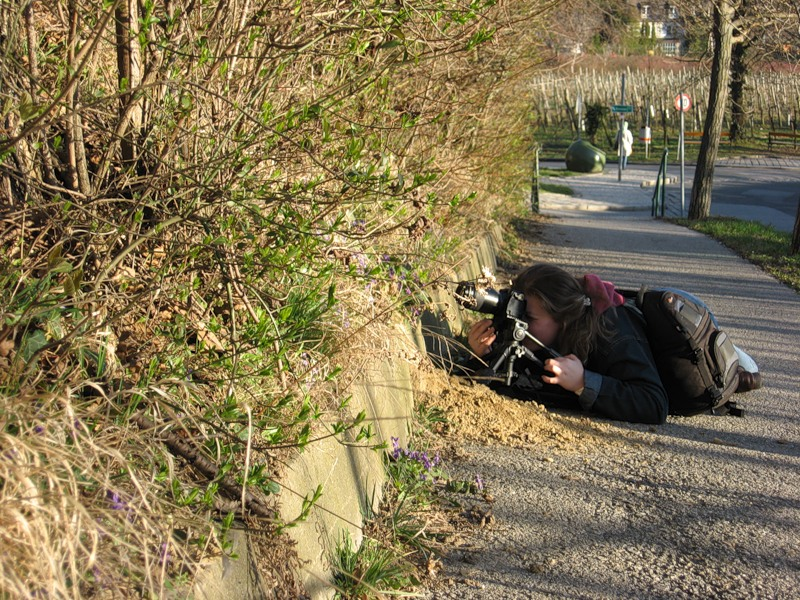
x: 701, y: 507
x: 769, y: 194
x: 763, y: 189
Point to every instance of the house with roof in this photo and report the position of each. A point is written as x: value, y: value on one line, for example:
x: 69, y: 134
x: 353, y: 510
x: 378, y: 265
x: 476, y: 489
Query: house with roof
x: 661, y: 22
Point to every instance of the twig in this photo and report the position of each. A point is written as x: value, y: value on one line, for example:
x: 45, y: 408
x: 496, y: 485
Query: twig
x: 179, y: 447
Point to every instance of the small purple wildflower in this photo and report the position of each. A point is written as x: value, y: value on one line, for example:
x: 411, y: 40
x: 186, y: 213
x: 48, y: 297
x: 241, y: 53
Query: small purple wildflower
x: 165, y: 556
x: 361, y: 263
x: 310, y: 368
x: 479, y: 483
x: 415, y: 456
x: 345, y: 318
x: 115, y: 501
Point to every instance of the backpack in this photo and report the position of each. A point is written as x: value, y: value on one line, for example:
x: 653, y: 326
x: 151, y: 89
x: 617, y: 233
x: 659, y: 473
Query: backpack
x: 697, y: 362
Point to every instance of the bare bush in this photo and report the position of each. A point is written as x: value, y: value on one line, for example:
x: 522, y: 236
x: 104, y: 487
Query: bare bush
x: 207, y: 209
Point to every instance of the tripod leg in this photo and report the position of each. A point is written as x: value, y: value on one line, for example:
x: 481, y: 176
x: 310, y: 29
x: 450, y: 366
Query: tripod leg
x: 510, y: 372
x: 502, y: 359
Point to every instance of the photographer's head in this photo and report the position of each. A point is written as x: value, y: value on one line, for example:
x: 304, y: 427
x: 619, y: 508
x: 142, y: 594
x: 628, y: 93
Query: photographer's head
x: 559, y: 310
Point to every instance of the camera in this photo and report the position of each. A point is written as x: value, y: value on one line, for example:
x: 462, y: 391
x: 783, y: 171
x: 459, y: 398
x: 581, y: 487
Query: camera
x: 509, y: 310
x: 509, y: 320
x: 503, y: 304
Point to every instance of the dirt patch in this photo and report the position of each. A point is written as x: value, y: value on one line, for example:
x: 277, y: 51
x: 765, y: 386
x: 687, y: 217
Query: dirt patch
x: 476, y: 412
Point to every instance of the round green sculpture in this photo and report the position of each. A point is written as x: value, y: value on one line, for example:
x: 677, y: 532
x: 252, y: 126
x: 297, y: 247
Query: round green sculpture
x: 582, y: 157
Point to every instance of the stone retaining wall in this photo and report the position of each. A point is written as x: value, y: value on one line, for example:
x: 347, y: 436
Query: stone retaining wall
x: 352, y: 475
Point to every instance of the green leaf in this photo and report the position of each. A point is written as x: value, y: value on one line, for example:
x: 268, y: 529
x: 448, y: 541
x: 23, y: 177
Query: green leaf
x: 270, y: 487
x: 31, y: 343
x: 27, y: 107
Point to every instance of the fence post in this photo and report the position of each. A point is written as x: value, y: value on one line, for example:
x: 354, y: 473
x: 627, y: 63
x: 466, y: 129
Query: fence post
x: 795, y: 246
x: 664, y: 181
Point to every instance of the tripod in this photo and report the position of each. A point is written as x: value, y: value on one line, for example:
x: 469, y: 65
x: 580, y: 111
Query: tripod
x: 516, y: 350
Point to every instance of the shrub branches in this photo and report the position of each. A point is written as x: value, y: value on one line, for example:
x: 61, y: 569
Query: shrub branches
x: 204, y: 211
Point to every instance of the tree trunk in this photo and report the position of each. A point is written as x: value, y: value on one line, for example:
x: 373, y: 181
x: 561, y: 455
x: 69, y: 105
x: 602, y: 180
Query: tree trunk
x: 738, y: 77
x: 122, y: 18
x: 724, y: 12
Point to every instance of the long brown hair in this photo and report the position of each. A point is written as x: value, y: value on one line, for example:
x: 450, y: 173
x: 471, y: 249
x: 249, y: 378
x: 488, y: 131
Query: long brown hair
x: 563, y: 297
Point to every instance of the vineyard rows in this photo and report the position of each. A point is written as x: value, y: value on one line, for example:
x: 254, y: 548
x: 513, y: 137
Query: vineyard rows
x: 772, y: 99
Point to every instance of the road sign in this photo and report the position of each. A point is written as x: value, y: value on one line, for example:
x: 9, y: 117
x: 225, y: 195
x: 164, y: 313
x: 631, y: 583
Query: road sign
x: 621, y: 108
x: 683, y: 102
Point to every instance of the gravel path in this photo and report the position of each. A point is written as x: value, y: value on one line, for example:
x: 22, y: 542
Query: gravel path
x: 702, y: 507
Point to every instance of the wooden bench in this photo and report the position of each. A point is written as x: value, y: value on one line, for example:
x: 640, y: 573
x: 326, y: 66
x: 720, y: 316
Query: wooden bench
x: 695, y: 137
x: 782, y: 137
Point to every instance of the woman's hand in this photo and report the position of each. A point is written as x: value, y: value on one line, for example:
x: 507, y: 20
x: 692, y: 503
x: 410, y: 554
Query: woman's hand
x: 567, y: 371
x: 481, y: 337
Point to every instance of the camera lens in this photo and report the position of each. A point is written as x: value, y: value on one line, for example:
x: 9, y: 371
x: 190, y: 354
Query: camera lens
x: 474, y: 298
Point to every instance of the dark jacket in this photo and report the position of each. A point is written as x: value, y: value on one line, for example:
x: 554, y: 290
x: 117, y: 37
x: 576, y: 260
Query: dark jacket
x: 621, y: 380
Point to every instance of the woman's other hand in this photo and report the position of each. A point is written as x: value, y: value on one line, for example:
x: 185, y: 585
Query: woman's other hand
x: 481, y: 337
x: 567, y: 371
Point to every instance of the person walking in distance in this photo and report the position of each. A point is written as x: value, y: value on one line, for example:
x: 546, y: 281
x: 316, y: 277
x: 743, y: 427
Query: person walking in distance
x: 625, y: 145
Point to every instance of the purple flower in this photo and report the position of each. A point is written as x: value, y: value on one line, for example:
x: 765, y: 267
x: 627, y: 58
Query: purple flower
x: 361, y: 263
x: 165, y: 555
x: 115, y: 501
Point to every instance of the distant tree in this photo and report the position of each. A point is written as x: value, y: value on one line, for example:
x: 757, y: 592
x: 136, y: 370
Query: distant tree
x: 736, y: 26
x: 571, y: 26
x: 595, y: 116
x: 600, y: 24
x: 724, y: 12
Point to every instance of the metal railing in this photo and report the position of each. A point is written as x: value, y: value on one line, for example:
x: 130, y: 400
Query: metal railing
x: 659, y: 194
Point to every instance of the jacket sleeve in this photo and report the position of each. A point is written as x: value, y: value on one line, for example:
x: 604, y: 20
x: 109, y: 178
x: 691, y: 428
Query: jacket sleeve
x: 621, y: 380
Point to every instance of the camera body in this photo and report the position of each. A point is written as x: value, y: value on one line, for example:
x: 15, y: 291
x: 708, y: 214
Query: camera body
x: 506, y: 305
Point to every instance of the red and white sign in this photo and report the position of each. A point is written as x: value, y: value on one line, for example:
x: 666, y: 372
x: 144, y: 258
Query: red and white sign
x: 683, y: 102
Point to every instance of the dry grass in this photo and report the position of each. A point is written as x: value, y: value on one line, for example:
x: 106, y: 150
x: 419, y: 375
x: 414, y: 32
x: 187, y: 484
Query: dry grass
x: 78, y: 517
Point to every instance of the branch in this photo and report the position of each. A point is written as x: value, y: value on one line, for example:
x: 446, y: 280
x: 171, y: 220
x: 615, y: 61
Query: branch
x: 255, y: 503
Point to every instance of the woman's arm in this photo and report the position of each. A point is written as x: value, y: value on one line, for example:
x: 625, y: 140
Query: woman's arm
x: 621, y: 380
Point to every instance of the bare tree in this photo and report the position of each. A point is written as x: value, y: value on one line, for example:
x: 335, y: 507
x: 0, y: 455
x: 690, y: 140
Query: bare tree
x: 724, y: 13
x: 738, y: 27
x: 764, y: 30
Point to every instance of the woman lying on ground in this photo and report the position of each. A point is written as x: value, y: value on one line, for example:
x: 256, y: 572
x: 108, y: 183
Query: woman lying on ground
x: 605, y: 364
